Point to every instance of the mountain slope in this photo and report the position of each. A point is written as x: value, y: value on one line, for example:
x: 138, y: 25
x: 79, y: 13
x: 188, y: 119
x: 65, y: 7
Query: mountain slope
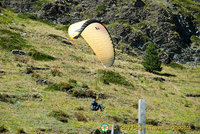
x: 29, y: 104
x: 173, y: 25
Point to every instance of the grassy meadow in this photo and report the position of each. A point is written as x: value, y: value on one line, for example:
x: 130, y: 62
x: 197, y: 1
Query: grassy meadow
x: 73, y: 74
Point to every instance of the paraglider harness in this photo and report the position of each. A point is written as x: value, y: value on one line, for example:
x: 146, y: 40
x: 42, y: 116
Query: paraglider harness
x: 95, y: 106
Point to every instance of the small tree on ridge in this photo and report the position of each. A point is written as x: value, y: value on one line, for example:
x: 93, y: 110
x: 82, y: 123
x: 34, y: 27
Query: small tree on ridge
x: 151, y: 61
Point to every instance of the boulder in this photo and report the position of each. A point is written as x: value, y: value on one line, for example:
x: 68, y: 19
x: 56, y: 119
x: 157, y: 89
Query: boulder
x: 139, y: 3
x: 18, y: 52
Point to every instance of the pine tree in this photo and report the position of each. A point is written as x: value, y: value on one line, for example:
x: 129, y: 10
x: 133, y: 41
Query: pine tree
x: 151, y: 61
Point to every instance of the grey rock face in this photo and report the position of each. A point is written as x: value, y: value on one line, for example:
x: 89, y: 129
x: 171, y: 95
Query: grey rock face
x: 22, y: 6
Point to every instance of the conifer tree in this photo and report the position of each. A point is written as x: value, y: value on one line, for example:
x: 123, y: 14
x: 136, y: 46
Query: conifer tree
x: 151, y: 61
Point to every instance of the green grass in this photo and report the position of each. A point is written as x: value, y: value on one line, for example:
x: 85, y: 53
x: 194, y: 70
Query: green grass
x: 175, y: 65
x: 36, y: 55
x: 63, y: 27
x: 5, y: 19
x: 10, y: 40
x: 188, y: 8
x: 63, y: 106
x: 34, y: 17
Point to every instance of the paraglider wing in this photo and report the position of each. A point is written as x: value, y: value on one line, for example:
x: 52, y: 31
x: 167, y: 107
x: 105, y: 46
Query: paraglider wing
x: 97, y: 36
x: 75, y: 29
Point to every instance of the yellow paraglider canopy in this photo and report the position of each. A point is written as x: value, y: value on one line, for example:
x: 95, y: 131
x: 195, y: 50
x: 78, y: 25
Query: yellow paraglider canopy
x: 97, y: 36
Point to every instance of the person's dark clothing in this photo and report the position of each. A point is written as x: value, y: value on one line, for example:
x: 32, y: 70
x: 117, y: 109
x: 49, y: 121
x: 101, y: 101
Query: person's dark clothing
x: 95, y: 106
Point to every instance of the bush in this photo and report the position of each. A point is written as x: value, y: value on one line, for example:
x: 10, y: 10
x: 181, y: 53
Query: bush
x: 3, y: 129
x: 55, y: 72
x: 85, y: 86
x: 90, y: 93
x: 72, y: 81
x: 8, y: 98
x: 29, y: 70
x: 112, y: 77
x: 80, y: 108
x: 21, y: 131
x: 65, y: 86
x: 78, y: 93
x: 80, y: 117
x: 60, y: 115
x: 60, y: 87
x: 83, y: 93
x: 151, y: 61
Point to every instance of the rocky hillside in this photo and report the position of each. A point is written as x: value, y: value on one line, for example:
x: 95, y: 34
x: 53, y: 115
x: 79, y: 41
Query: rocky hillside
x: 47, y: 81
x: 173, y: 25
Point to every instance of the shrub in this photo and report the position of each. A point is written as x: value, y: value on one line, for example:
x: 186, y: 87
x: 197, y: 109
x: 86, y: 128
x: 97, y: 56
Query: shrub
x: 78, y: 93
x: 80, y: 117
x: 60, y: 115
x: 90, y: 93
x: 72, y: 81
x: 83, y: 93
x: 85, y: 86
x: 3, y: 129
x: 35, y: 75
x: 65, y: 86
x: 21, y: 131
x: 112, y: 77
x: 80, y: 108
x: 29, y: 70
x: 60, y: 87
x: 151, y: 61
x: 8, y: 98
x: 55, y: 72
